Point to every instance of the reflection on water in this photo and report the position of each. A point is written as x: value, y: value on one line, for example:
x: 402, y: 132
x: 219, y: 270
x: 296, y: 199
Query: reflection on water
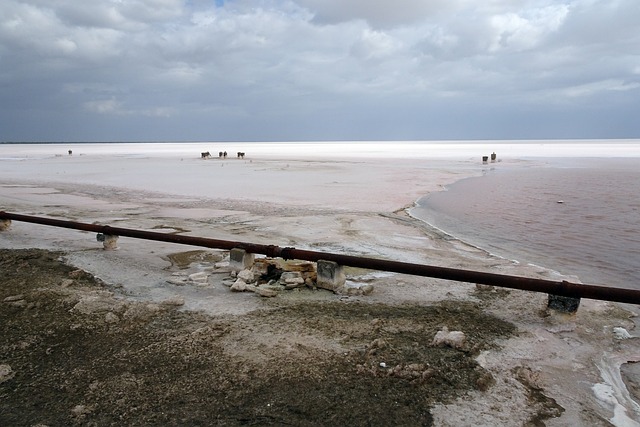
x: 579, y: 217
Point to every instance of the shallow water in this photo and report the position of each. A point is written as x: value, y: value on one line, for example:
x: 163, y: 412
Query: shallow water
x: 577, y: 216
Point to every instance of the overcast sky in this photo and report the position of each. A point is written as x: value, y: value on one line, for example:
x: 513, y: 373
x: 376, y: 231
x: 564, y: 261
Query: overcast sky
x: 265, y: 70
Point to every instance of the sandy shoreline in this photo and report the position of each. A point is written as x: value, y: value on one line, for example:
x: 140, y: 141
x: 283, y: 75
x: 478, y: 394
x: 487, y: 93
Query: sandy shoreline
x: 345, y: 205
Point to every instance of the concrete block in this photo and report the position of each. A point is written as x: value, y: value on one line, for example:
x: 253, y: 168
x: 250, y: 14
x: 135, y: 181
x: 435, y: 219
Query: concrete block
x: 563, y: 304
x: 109, y: 242
x: 239, y: 259
x: 330, y: 275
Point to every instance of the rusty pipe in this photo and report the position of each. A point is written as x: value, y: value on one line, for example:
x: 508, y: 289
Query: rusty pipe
x: 564, y: 288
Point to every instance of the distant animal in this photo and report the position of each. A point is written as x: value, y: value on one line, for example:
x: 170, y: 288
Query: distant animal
x: 70, y: 152
x: 205, y: 155
x: 220, y: 154
x: 240, y: 155
x: 224, y: 154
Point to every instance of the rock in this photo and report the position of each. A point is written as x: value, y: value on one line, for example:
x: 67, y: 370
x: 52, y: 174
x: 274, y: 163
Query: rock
x: 351, y: 291
x: 621, y: 333
x: 239, y: 286
x: 76, y: 274
x: 80, y: 411
x: 366, y: 289
x: 290, y: 286
x: 178, y: 281
x: 199, y: 277
x: 175, y: 300
x: 20, y: 303
x: 266, y: 293
x: 228, y: 282
x: 274, y: 286
x: 66, y: 283
x: 291, y: 278
x: 247, y: 276
x: 141, y: 311
x: 378, y: 343
x: 111, y: 318
x: 14, y: 298
x: 262, y: 266
x: 6, y: 373
x: 453, y: 339
x: 95, y: 302
x: 299, y: 266
x: 221, y: 264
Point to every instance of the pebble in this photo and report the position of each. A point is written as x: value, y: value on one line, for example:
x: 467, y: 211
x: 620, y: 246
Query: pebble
x: 6, y: 373
x: 176, y: 300
x: 66, y: 283
x: 111, y: 318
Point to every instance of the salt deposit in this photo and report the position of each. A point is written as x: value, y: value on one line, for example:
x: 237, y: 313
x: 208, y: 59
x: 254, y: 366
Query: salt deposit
x: 351, y: 202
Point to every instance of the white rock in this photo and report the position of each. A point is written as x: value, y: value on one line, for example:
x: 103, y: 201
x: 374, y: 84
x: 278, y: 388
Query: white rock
x: 199, y: 277
x: 291, y: 278
x: 266, y: 293
x: 247, y: 276
x: 454, y: 339
x: 239, y: 286
x: 621, y: 333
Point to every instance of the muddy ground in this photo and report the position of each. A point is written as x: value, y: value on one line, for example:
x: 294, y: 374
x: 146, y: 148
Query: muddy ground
x: 73, y: 351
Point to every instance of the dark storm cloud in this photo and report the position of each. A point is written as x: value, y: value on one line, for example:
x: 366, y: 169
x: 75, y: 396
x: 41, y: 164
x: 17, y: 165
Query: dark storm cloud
x: 311, y: 69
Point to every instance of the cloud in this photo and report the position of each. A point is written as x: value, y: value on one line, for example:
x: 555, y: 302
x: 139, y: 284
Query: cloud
x: 378, y: 13
x: 266, y: 69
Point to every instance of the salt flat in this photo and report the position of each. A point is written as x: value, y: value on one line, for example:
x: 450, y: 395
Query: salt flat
x: 343, y: 204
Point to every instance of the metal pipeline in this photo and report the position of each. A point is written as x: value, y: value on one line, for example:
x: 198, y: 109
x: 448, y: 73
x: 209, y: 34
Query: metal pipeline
x: 564, y: 288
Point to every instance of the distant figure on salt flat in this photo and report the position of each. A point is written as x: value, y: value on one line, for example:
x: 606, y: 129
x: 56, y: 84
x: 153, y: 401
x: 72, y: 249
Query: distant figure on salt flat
x: 70, y: 152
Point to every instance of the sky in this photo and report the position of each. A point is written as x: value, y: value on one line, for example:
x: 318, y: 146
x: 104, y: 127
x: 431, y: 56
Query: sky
x: 300, y: 70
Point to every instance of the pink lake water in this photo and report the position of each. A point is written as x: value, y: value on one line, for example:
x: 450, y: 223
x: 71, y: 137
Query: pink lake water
x: 578, y: 216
